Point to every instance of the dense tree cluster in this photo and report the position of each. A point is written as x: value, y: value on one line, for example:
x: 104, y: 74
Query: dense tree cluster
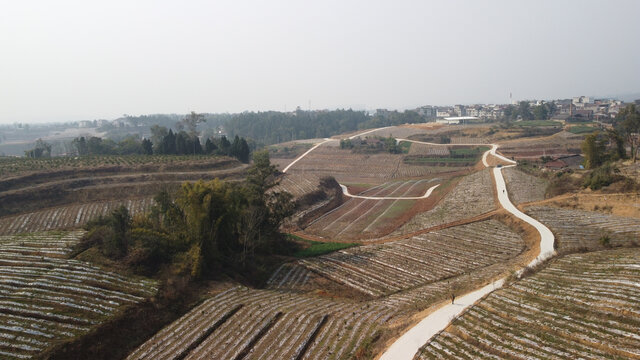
x: 273, y: 127
x: 185, y: 141
x: 205, y: 228
x: 371, y: 144
x: 525, y: 111
x: 41, y: 149
x: 601, y: 147
x: 164, y: 142
x: 627, y: 124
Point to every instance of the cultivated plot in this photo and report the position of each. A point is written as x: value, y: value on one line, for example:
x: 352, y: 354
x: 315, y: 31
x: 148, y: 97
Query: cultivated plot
x: 361, y: 218
x: 523, y: 187
x: 382, y: 269
x: 578, y: 229
x: 472, y: 196
x: 68, y: 217
x: 46, y: 298
x: 581, y: 306
x: 266, y: 324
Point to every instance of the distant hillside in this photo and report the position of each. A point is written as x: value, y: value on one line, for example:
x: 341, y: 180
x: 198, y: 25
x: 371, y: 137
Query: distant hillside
x: 273, y: 127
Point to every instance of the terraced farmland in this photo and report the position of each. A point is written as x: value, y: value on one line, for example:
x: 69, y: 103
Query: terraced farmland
x: 581, y: 306
x: 45, y: 298
x: 50, y: 187
x: 577, y: 229
x: 428, y: 150
x: 523, y: 187
x: 265, y: 324
x: 472, y: 196
x: 299, y: 184
x: 67, y: 217
x: 10, y: 166
x: 562, y: 143
x: 401, y: 131
x: 383, y: 269
x: 366, y: 218
x: 347, y: 167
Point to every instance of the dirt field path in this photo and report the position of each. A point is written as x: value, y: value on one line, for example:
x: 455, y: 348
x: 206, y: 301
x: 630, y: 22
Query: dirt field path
x: 346, y: 192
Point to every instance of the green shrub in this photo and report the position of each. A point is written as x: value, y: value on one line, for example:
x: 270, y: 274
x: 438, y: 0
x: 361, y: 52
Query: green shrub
x: 605, y: 240
x: 600, y: 177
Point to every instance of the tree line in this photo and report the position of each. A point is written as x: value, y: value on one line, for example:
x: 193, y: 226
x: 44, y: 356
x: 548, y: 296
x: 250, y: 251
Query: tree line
x: 272, y: 127
x: 525, y: 111
x: 372, y: 144
x: 171, y: 143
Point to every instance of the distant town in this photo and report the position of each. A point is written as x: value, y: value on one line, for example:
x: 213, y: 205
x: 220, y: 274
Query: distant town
x: 579, y: 108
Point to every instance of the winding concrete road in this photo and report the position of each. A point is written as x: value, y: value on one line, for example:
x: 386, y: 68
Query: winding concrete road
x: 306, y: 153
x: 410, y: 342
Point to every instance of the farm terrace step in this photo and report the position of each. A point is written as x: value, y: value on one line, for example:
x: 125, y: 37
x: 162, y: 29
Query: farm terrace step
x: 348, y: 167
x: 367, y: 218
x: 382, y: 269
x: 267, y: 324
x: 577, y: 229
x: 46, y: 298
x: 472, y: 196
x: 580, y: 306
x: 523, y: 187
x: 68, y: 217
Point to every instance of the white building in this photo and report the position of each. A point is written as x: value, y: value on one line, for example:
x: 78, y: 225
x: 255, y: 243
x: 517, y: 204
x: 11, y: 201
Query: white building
x: 454, y: 120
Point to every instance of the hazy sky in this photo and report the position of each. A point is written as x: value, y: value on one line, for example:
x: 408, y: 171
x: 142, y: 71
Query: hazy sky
x: 72, y: 60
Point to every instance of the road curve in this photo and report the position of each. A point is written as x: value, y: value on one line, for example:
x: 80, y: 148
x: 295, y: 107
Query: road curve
x: 410, y: 342
x: 345, y: 191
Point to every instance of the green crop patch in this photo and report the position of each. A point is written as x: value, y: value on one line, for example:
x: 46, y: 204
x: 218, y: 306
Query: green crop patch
x: 317, y: 248
x: 529, y: 123
x: 582, y: 129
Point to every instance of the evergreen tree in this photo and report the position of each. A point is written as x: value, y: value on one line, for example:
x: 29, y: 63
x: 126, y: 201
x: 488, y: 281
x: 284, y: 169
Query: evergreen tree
x: 210, y: 147
x: 147, y: 147
x: 244, y: 152
x: 593, y: 149
x: 197, y: 147
x: 225, y: 145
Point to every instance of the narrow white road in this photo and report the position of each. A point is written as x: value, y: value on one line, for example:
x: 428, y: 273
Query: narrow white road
x: 326, y: 141
x: 546, y: 236
x: 369, y: 132
x: 410, y: 342
x: 426, y: 195
x: 407, y: 345
x: 306, y: 153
